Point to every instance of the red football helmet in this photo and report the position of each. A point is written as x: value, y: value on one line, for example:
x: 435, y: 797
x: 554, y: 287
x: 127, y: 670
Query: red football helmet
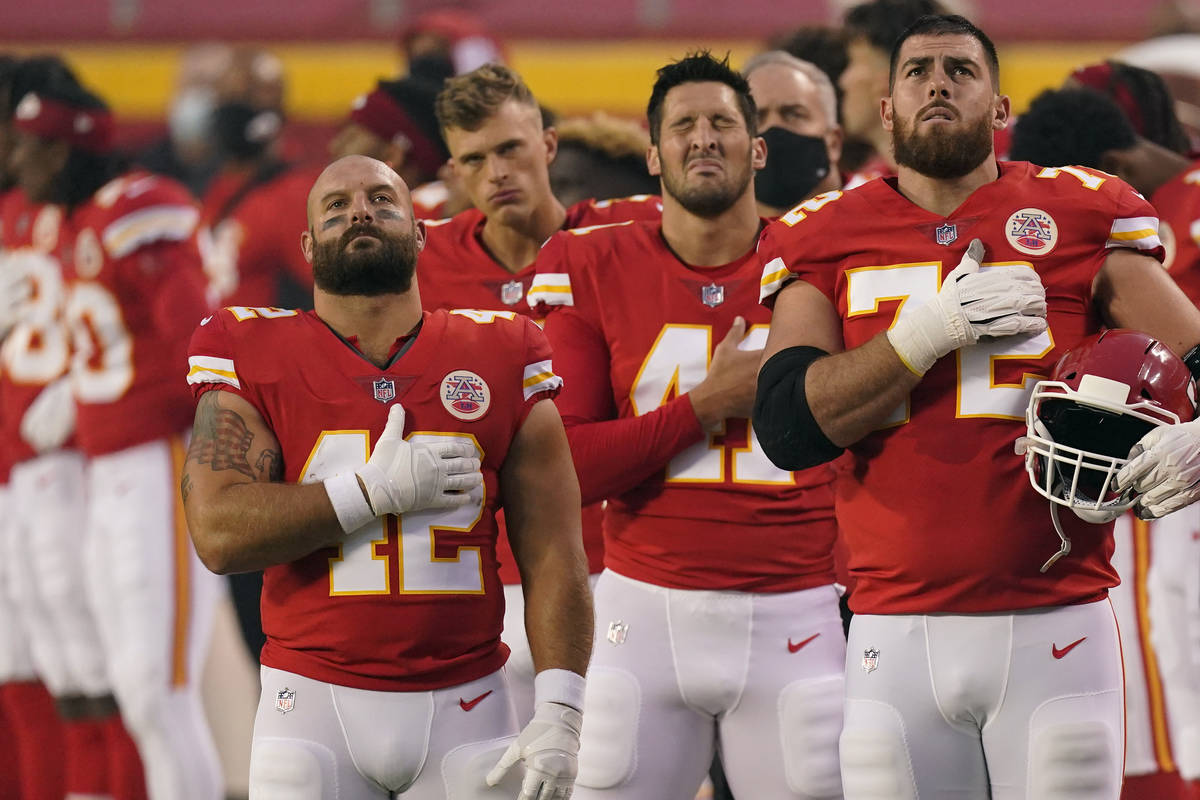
x: 1104, y: 395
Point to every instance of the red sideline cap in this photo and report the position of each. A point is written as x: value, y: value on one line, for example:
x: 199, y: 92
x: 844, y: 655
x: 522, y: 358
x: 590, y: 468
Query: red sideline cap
x: 379, y: 113
x: 89, y: 129
x: 1100, y: 77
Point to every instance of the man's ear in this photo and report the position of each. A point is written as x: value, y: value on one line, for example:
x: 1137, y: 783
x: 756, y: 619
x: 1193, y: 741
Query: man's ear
x: 653, y: 164
x: 550, y: 137
x: 306, y: 245
x: 1001, y: 113
x: 419, y: 234
x: 885, y: 112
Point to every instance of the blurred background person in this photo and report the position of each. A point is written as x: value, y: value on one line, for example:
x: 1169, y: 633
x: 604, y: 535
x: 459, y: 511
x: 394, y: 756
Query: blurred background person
x: 134, y: 289
x: 253, y: 211
x: 797, y: 118
x: 32, y: 747
x: 187, y: 151
x: 870, y: 31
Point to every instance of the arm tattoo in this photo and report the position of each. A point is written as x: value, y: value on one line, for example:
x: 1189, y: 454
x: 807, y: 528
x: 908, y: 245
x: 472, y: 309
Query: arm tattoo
x: 185, y: 486
x: 270, y: 466
x: 220, y: 438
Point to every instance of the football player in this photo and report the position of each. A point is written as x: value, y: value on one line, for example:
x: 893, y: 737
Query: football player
x: 341, y: 450
x: 718, y: 620
x: 483, y: 257
x: 131, y: 283
x: 976, y: 664
x: 1159, y: 561
x: 31, y: 762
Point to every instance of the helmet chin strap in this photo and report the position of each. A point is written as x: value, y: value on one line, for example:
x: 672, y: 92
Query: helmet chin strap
x: 1066, y: 543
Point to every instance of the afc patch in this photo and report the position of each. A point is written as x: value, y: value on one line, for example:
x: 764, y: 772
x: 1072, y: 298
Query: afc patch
x: 285, y: 700
x: 465, y: 395
x: 1031, y: 231
x: 384, y: 390
x: 946, y: 234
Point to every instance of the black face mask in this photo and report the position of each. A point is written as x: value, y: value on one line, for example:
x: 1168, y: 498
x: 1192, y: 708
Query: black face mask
x: 243, y: 131
x: 795, y: 165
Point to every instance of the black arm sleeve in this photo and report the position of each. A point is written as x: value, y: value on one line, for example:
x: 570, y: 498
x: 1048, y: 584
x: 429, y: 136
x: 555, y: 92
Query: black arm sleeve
x: 789, y: 434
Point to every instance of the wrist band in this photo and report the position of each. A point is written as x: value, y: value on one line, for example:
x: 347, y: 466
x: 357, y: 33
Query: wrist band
x: 559, y: 686
x: 348, y: 501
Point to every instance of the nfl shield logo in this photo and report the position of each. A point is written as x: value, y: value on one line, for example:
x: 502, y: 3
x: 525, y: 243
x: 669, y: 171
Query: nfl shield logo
x: 511, y: 293
x: 870, y: 659
x: 385, y: 390
x: 617, y: 631
x: 712, y: 295
x: 285, y: 700
x: 946, y: 234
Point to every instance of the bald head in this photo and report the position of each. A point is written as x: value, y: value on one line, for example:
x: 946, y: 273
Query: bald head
x: 362, y: 237
x: 350, y: 174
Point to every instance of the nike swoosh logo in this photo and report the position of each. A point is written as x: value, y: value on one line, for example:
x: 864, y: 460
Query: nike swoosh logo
x: 792, y: 648
x: 1054, y: 651
x: 467, y: 705
x: 206, y: 320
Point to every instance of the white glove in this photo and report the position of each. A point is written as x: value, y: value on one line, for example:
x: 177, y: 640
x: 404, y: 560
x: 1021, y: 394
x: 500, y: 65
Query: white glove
x: 50, y: 418
x: 1164, y: 468
x: 15, y: 291
x: 999, y: 301
x: 549, y: 746
x: 402, y: 476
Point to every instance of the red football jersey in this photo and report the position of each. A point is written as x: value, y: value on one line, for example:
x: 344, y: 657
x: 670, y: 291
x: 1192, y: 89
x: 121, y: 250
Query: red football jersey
x: 38, y: 348
x: 136, y: 291
x: 936, y: 509
x: 636, y: 327
x: 1178, y: 205
x: 411, y: 603
x: 456, y: 271
x: 246, y: 249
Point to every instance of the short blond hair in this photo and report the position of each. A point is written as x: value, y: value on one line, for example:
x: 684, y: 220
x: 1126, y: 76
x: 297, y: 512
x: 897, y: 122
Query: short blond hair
x: 468, y: 101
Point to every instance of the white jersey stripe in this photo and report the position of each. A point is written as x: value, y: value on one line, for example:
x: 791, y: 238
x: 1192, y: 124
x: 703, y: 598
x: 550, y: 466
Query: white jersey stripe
x: 209, y: 369
x: 157, y: 223
x: 551, y: 288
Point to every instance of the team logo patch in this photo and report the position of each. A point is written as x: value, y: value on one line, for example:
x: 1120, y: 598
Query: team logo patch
x: 870, y: 659
x: 946, y: 234
x: 1031, y: 231
x: 617, y: 631
x: 511, y: 293
x: 465, y: 395
x: 384, y: 389
x: 285, y: 700
x: 712, y: 295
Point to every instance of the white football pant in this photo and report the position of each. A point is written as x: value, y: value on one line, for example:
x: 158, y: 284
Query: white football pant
x: 320, y: 741
x: 155, y: 601
x: 1024, y: 705
x: 676, y: 674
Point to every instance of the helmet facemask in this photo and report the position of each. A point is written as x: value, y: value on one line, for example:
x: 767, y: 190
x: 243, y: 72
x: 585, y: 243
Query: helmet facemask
x: 1105, y: 394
